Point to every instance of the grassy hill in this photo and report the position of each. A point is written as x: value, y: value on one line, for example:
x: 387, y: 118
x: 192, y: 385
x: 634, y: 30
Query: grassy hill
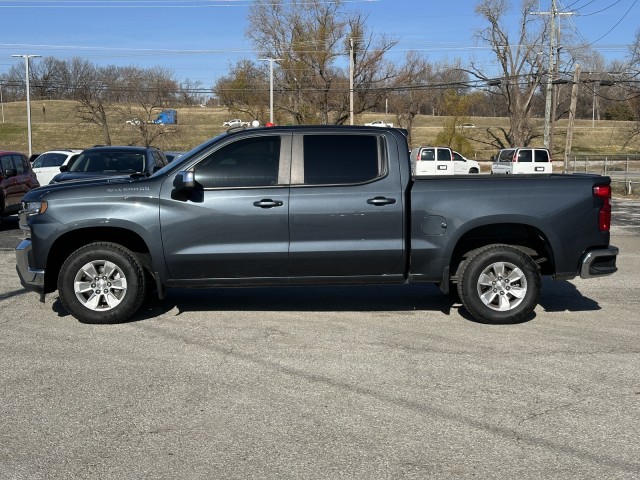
x: 56, y: 127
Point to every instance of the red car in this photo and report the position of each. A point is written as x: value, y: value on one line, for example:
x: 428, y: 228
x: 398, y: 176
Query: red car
x: 16, y: 179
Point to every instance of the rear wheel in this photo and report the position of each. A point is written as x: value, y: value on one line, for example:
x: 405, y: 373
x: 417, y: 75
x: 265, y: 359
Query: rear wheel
x: 102, y: 283
x: 499, y: 284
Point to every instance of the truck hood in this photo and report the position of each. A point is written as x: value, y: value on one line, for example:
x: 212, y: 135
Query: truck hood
x: 38, y: 193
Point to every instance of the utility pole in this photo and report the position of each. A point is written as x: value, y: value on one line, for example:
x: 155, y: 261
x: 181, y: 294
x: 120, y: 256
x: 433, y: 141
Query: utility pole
x: 351, y: 68
x: 28, y: 88
x: 549, y: 108
x: 270, y: 60
x: 572, y: 117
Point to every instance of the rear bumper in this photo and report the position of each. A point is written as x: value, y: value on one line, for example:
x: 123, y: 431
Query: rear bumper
x: 599, y: 262
x: 31, y: 279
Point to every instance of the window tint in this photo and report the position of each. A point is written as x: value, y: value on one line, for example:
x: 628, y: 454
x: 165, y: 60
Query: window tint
x: 427, y: 154
x: 18, y: 161
x: 457, y: 157
x: 7, y: 162
x: 444, y: 154
x: 525, y: 156
x: 159, y: 160
x: 340, y: 159
x: 541, y: 156
x: 49, y: 160
x: 252, y: 162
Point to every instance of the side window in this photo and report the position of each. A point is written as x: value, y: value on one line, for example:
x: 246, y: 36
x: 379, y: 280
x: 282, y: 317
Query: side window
x: 251, y: 162
x: 525, y: 156
x: 444, y: 154
x: 457, y: 157
x: 340, y: 159
x: 541, y: 156
x: 18, y: 161
x: 427, y: 154
x: 506, y: 155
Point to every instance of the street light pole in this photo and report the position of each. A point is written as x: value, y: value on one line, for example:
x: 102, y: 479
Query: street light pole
x: 270, y: 60
x: 26, y: 66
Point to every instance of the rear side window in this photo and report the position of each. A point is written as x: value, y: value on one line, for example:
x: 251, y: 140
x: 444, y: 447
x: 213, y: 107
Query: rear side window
x: 340, y: 159
x: 541, y: 156
x: 428, y: 154
x: 506, y: 156
x: 49, y: 160
x: 525, y: 156
x: 251, y: 162
x: 444, y: 154
x: 20, y: 162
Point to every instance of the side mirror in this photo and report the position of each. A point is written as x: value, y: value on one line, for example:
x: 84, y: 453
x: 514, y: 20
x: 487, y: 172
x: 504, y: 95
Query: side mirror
x: 184, y: 181
x: 64, y: 168
x: 10, y: 172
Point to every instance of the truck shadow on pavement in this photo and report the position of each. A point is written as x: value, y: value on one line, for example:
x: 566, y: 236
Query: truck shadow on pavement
x: 556, y: 296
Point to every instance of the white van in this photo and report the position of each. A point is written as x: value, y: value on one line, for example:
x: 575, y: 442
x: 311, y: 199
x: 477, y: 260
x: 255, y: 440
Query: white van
x: 522, y: 160
x: 440, y: 161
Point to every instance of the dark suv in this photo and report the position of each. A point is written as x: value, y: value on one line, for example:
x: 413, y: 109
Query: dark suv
x: 112, y: 161
x: 16, y: 179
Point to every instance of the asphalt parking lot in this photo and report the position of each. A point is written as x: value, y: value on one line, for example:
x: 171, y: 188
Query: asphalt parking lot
x: 335, y: 382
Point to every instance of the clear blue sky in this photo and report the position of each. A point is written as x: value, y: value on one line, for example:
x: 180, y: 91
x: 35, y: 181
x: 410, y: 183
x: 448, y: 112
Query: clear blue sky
x: 199, y: 39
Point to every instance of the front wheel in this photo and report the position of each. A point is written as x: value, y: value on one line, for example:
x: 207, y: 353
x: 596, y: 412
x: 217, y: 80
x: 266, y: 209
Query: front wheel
x: 102, y: 283
x: 499, y: 284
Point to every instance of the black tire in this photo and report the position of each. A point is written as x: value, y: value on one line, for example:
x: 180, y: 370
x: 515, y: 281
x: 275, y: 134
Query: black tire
x: 473, y: 170
x: 116, y: 292
x: 499, y: 284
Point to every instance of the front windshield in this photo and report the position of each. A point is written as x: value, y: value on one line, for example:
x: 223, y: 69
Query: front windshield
x: 109, y: 162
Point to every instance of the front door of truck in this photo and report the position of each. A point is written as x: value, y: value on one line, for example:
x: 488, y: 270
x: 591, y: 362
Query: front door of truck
x: 345, y: 208
x: 234, y: 223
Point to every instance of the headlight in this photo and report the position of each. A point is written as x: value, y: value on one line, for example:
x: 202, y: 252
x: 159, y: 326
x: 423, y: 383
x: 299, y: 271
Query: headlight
x: 34, y: 208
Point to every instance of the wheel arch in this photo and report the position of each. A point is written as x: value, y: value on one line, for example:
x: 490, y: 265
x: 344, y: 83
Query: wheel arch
x: 69, y: 242
x: 527, y: 238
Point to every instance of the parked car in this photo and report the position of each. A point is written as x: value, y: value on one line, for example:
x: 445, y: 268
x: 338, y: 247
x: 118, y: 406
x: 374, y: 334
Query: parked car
x: 441, y: 161
x: 462, y: 165
x: 16, y: 179
x: 48, y: 164
x: 522, y: 160
x: 236, y: 122
x: 378, y: 123
x: 112, y: 161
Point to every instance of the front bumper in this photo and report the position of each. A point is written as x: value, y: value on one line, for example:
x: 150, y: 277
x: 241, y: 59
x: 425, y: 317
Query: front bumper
x: 30, y: 279
x: 599, y: 262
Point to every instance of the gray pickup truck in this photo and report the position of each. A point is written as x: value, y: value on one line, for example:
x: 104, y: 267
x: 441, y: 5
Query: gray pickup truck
x: 316, y: 206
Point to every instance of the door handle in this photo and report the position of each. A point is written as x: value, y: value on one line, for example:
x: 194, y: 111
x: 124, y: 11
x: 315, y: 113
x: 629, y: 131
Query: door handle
x: 377, y: 201
x: 268, y: 203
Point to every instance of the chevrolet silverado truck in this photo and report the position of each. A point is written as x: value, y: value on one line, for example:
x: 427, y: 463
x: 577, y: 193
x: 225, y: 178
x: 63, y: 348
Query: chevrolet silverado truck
x: 311, y: 205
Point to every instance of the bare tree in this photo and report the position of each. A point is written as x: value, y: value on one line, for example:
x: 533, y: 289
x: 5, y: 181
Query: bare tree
x: 310, y: 39
x: 520, y: 62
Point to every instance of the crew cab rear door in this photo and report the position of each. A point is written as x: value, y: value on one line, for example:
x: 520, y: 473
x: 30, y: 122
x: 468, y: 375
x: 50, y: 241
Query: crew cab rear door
x: 233, y: 224
x: 345, y: 207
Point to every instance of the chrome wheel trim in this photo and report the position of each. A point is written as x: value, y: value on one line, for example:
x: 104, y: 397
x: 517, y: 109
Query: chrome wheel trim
x: 100, y: 285
x: 502, y: 286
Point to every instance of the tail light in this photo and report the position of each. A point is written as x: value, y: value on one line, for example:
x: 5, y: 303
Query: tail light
x: 604, y: 215
x: 515, y: 157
